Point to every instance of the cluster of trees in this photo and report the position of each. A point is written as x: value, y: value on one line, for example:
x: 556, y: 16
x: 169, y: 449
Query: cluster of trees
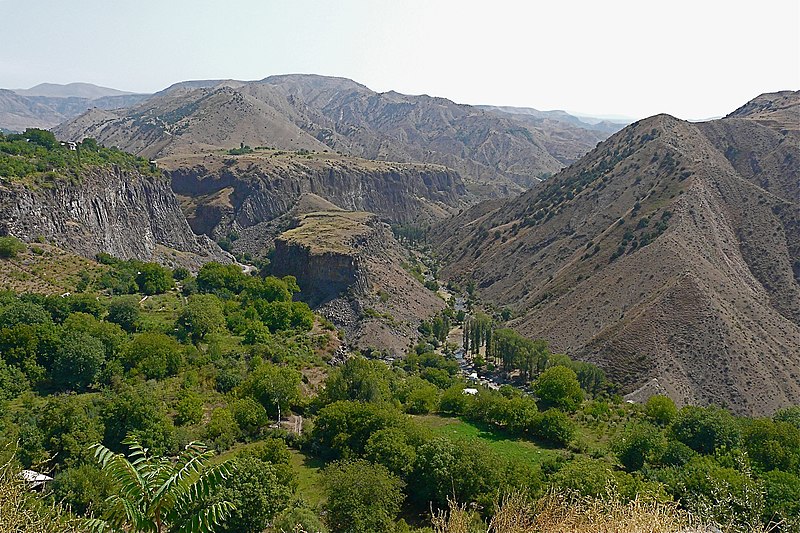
x: 508, y: 350
x: 741, y: 471
x: 37, y: 152
x: 381, y: 457
x: 91, y: 368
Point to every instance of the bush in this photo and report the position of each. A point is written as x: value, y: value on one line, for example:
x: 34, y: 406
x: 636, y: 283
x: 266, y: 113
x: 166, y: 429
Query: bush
x: 154, y: 279
x: 558, y: 387
x: 124, y: 310
x: 553, y: 426
x: 362, y: 497
x: 660, y: 410
x: 638, y: 444
x: 706, y: 429
x: 10, y: 247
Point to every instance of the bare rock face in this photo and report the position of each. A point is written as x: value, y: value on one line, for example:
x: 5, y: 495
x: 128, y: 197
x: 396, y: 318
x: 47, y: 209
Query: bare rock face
x: 252, y: 194
x: 349, y: 267
x: 118, y: 212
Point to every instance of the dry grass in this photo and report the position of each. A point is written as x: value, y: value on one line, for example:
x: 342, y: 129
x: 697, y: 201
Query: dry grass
x: 563, y: 513
x: 22, y: 511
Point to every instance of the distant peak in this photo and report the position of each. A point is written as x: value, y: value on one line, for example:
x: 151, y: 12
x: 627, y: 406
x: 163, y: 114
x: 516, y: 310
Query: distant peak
x: 71, y: 90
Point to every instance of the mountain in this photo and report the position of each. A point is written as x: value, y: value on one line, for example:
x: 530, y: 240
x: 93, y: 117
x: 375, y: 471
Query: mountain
x: 495, y: 153
x: 669, y: 255
x: 47, y: 104
x: 19, y: 112
x: 71, y: 90
x: 591, y: 123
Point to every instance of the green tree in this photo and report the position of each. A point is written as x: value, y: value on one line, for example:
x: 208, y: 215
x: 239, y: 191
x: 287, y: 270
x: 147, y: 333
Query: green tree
x: 257, y: 493
x: 84, y: 488
x: 202, y: 316
x: 221, y: 429
x: 638, y: 444
x: 78, y: 361
x: 154, y: 355
x: 299, y: 518
x: 342, y: 429
x: 159, y: 495
x: 359, y: 379
x: 152, y: 278
x: 70, y: 424
x: 390, y: 447
x: 558, y: 387
x: 706, y: 429
x: 772, y: 445
x: 782, y: 499
x: 660, y: 410
x: 586, y: 476
x: 249, y: 414
x: 189, y: 409
x: 136, y: 411
x: 275, y: 387
x: 361, y: 497
x: 124, y: 311
x: 553, y: 426
x: 418, y: 396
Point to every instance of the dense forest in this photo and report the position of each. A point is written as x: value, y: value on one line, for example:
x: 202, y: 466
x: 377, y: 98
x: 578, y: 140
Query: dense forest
x: 140, y: 357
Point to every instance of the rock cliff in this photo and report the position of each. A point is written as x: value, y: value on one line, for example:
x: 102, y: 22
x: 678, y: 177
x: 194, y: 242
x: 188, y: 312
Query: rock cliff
x: 120, y: 212
x: 251, y: 194
x: 349, y: 267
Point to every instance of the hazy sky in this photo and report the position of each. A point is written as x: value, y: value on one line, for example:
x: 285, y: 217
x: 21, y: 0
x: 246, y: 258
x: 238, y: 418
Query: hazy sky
x: 693, y: 59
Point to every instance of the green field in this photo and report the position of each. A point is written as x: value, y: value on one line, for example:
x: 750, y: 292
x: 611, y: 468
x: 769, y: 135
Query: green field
x: 510, y: 447
x: 309, y: 478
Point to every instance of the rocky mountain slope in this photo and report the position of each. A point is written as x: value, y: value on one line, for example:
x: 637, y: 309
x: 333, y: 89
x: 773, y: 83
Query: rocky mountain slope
x: 120, y: 212
x: 49, y: 104
x: 349, y: 266
x: 255, y: 196
x: 495, y: 153
x: 669, y: 255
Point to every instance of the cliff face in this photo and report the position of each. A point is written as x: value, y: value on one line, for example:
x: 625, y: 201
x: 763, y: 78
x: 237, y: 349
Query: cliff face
x: 348, y: 266
x: 118, y: 212
x: 246, y: 193
x: 323, y: 275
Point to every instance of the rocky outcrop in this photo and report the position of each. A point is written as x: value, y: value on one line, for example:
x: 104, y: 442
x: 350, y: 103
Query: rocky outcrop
x: 122, y: 213
x: 349, y: 267
x: 243, y: 194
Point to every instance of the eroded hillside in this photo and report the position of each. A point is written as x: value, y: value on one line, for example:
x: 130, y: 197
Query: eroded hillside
x: 669, y: 255
x: 496, y: 154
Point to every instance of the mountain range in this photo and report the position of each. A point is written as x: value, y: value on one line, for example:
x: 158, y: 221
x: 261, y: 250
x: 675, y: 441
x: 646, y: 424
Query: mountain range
x: 667, y: 253
x: 496, y: 153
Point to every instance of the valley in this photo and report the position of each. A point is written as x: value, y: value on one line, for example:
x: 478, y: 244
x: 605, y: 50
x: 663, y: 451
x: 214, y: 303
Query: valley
x: 386, y: 312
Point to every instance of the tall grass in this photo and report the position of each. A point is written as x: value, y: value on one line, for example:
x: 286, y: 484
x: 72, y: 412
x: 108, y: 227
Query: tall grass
x: 566, y: 513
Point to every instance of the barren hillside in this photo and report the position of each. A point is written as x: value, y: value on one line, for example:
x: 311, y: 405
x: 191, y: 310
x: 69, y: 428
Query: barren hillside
x: 670, y: 255
x: 496, y: 154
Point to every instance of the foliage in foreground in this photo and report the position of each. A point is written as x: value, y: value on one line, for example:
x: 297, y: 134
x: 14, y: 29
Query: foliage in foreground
x: 21, y: 510
x: 158, y: 495
x: 568, y: 513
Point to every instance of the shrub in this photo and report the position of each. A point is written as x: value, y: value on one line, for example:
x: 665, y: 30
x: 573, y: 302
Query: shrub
x: 10, y: 247
x: 558, y: 387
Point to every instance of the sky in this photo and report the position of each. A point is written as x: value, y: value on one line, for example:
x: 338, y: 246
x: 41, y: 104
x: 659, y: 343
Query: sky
x: 693, y: 59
